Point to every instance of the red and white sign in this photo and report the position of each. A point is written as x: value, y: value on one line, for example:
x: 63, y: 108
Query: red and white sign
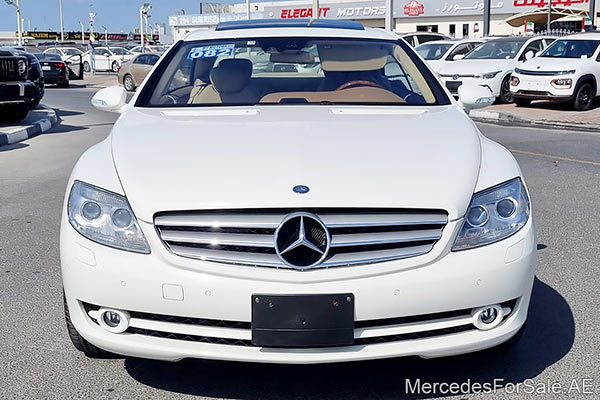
x: 289, y: 13
x: 414, y: 8
x: 544, y: 3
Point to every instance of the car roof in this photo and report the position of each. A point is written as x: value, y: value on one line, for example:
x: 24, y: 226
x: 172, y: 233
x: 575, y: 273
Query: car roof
x: 453, y: 41
x: 585, y: 36
x: 294, y: 28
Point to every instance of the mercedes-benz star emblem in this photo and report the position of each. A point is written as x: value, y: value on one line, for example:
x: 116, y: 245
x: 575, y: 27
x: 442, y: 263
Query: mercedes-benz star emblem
x: 302, y: 240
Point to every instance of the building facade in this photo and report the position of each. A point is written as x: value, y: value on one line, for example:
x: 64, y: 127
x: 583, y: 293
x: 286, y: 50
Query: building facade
x: 455, y: 18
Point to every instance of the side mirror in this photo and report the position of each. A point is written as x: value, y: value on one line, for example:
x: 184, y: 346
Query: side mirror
x: 458, y: 57
x: 472, y: 97
x: 111, y: 99
x: 529, y: 55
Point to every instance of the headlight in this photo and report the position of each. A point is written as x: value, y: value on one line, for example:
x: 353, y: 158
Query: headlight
x: 105, y: 218
x: 22, y: 66
x: 489, y: 75
x: 562, y: 83
x: 494, y: 214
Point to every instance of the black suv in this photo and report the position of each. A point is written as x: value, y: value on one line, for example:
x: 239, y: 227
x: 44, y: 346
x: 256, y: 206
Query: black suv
x: 21, y: 85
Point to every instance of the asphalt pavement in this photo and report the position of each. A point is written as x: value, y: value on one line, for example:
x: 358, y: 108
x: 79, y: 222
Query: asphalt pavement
x: 561, y: 344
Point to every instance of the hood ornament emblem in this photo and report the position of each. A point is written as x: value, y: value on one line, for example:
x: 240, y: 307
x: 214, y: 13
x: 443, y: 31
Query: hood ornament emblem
x: 301, y: 189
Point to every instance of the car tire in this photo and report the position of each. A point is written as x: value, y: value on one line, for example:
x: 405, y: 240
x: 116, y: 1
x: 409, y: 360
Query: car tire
x: 506, y: 96
x: 63, y: 84
x: 520, y: 102
x: 14, y: 112
x: 584, y: 97
x: 33, y: 104
x: 78, y: 341
x: 86, y: 66
x: 115, y: 66
x: 129, y: 83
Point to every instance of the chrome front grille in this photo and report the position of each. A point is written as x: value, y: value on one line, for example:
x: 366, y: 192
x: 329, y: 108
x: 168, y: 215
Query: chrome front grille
x: 247, y: 237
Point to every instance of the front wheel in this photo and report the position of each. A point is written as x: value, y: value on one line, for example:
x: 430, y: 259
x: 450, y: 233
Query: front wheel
x: 78, y: 341
x: 505, y: 94
x: 129, y: 83
x: 115, y: 66
x: 584, y: 98
x: 86, y: 66
x: 14, y: 112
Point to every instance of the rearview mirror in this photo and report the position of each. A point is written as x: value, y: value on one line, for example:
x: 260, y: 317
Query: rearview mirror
x: 472, y: 97
x: 458, y: 57
x: 292, y: 57
x: 111, y: 99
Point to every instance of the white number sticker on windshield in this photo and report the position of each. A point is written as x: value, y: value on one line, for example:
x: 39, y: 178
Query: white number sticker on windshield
x: 211, y: 51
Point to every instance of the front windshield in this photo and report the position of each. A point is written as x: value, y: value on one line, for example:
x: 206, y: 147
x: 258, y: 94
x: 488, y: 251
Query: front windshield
x: 496, y: 50
x: 72, y: 52
x: 289, y: 70
x: 119, y: 51
x: 565, y: 48
x: 433, y: 50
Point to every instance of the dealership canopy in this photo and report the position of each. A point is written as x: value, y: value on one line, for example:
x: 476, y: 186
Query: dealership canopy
x: 540, y: 15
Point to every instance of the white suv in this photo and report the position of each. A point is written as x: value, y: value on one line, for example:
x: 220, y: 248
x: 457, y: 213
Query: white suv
x: 491, y: 63
x: 568, y: 70
x: 347, y: 212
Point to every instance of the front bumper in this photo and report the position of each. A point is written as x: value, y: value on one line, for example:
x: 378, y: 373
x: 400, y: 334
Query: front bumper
x: 453, y: 83
x: 170, y: 286
x: 16, y: 91
x: 540, y: 88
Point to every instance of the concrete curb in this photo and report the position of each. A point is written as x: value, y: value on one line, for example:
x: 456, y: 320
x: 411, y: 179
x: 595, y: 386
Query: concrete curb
x: 502, y: 118
x: 31, y: 129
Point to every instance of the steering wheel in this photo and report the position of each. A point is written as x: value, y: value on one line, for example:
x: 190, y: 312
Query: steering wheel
x: 350, y: 84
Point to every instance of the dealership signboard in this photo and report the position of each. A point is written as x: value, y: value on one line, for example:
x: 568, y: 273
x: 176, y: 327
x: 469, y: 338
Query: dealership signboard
x: 413, y: 8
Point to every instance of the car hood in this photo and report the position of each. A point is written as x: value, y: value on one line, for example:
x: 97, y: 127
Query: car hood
x: 550, y: 64
x: 477, y: 66
x: 231, y: 158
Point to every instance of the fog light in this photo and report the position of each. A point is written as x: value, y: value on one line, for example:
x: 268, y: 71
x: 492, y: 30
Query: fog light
x: 115, y: 321
x: 111, y: 319
x: 488, y: 317
x: 514, y: 81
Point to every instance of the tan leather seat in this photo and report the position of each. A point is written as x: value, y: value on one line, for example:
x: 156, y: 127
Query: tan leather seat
x: 229, y: 83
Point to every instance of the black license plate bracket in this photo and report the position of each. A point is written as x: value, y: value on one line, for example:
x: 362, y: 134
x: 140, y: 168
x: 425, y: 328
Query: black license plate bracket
x: 315, y: 320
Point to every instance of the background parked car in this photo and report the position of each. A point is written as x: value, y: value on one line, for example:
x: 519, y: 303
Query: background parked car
x: 417, y: 38
x: 568, y: 70
x: 54, y: 68
x: 148, y: 49
x: 440, y: 52
x: 65, y: 53
x: 107, y: 58
x: 17, y: 90
x: 491, y: 63
x: 134, y: 71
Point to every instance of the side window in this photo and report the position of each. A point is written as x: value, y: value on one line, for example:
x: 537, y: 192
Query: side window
x: 460, y: 49
x: 52, y: 51
x: 411, y: 40
x: 428, y: 38
x: 151, y: 59
x: 535, y: 46
x: 140, y: 60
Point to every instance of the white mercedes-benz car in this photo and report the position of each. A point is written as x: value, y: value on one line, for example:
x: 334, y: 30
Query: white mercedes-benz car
x: 340, y: 213
x: 568, y: 70
x: 490, y: 64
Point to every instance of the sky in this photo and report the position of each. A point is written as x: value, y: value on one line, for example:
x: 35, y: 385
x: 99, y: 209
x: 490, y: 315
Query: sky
x: 117, y: 15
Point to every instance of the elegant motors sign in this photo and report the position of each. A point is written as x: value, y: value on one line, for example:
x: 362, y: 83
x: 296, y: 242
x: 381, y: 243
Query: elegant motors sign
x: 414, y: 8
